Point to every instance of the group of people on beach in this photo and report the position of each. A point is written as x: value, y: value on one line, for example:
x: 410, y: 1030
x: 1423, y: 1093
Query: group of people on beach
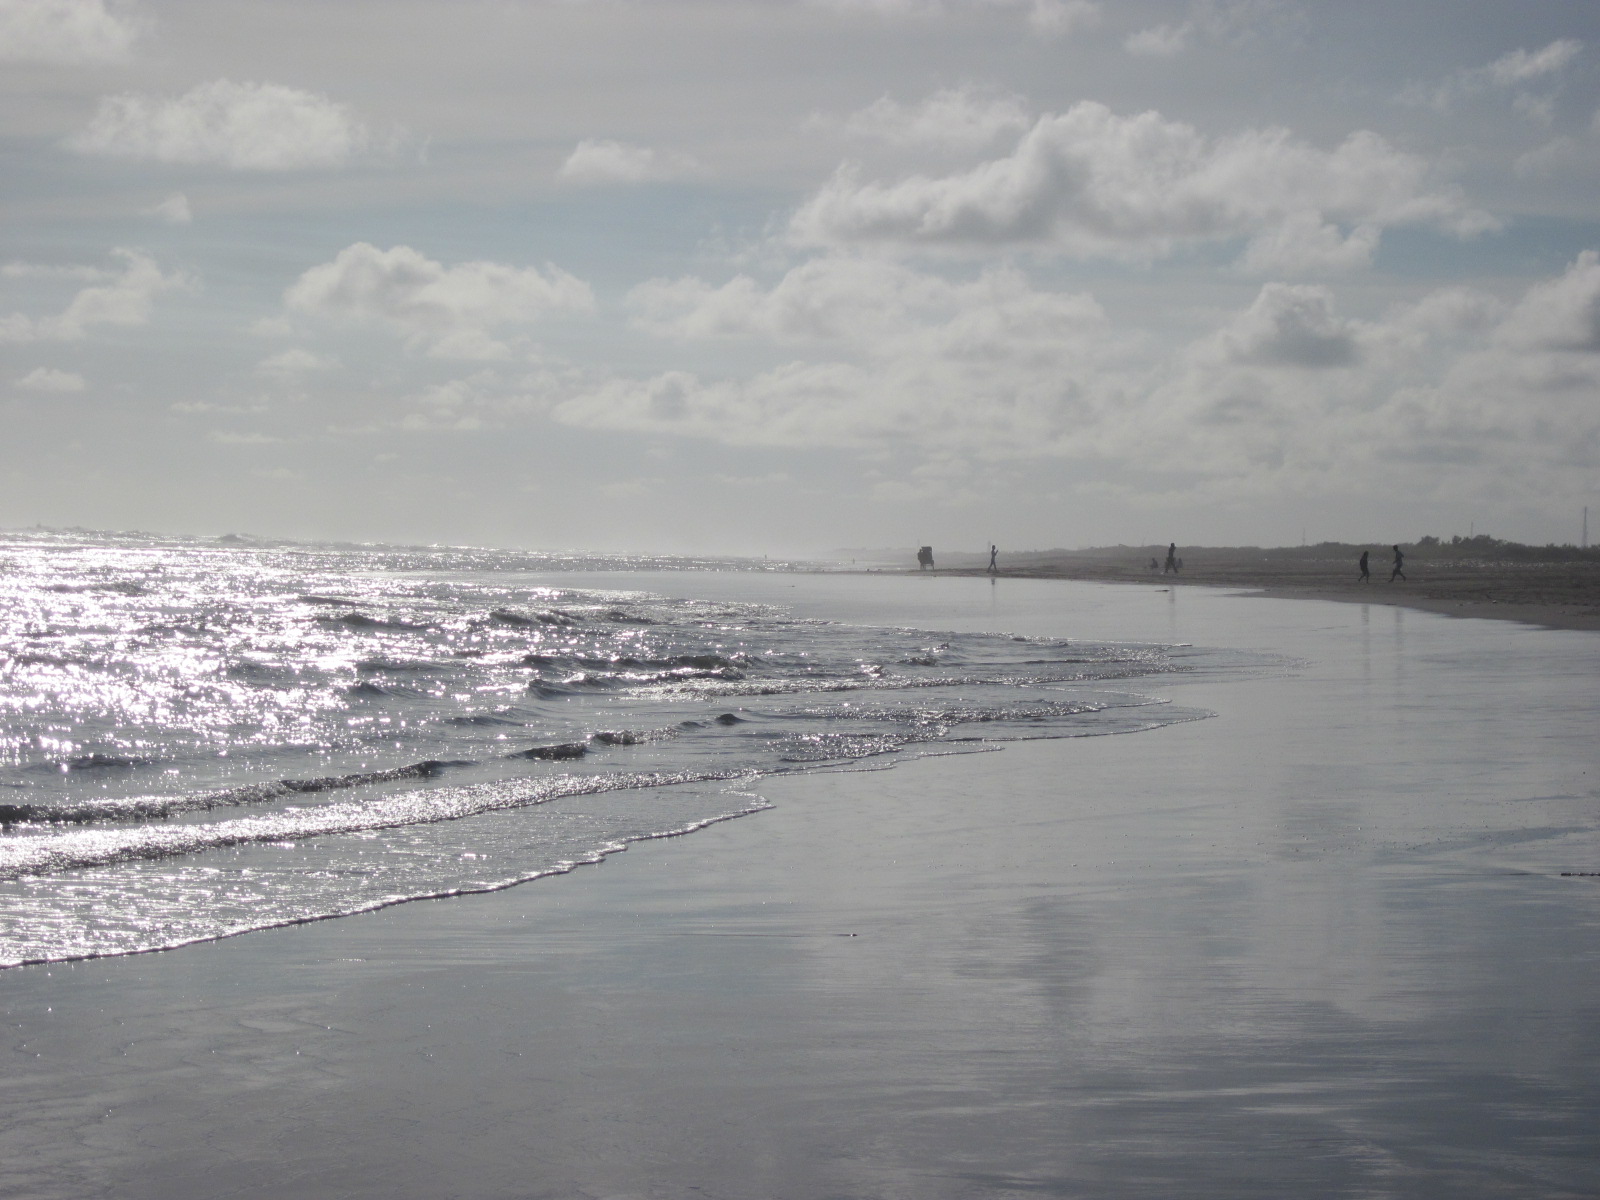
x: 1174, y: 564
x: 1399, y: 563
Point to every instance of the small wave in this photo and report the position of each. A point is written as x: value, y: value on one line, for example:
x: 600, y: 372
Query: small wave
x: 124, y: 588
x: 144, y: 808
x: 34, y: 659
x: 582, y: 684
x: 93, y: 848
x: 482, y: 719
x: 565, y: 750
x: 90, y: 762
x: 365, y: 690
x: 267, y: 674
x: 332, y: 601
x: 363, y: 621
x: 549, y: 617
x: 390, y: 666
x: 617, y: 617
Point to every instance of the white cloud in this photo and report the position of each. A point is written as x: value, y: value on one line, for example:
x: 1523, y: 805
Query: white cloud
x: 1046, y: 16
x: 1510, y: 71
x: 1217, y: 21
x: 1519, y: 66
x: 245, y: 126
x: 272, y: 327
x: 895, y: 357
x: 293, y: 364
x: 865, y: 302
x: 1560, y: 314
x: 65, y: 31
x: 1290, y: 326
x: 1573, y: 156
x: 600, y: 161
x: 124, y: 300
x: 174, y: 210
x: 1159, y: 41
x: 451, y: 406
x: 962, y: 118
x: 1286, y: 396
x: 49, y: 379
x: 450, y: 311
x: 1304, y: 244
x: 1089, y: 182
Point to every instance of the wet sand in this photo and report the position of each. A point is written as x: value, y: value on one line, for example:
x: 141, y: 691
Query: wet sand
x: 1330, y: 942
x: 1555, y: 595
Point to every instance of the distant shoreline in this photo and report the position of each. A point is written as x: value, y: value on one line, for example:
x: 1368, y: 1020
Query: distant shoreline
x: 1554, y: 595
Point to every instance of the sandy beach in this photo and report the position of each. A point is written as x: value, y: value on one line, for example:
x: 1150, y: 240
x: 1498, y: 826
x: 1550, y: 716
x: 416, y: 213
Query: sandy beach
x: 1557, y: 595
x: 1340, y: 939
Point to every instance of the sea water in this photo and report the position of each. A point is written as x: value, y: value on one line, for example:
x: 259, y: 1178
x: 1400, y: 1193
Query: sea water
x: 203, y: 737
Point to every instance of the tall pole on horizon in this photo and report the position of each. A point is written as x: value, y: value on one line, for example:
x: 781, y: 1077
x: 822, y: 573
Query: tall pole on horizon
x: 1585, y: 527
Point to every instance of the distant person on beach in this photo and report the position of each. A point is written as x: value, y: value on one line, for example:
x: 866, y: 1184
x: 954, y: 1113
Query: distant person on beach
x: 1365, y: 577
x: 1399, y: 561
x: 924, y: 558
x: 994, y: 569
x: 1172, y: 559
x: 1155, y: 564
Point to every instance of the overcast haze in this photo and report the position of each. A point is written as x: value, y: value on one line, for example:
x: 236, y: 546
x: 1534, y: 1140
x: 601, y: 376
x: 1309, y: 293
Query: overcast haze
x: 780, y: 277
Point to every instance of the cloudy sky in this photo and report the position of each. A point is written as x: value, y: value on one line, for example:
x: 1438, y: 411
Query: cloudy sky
x: 781, y: 276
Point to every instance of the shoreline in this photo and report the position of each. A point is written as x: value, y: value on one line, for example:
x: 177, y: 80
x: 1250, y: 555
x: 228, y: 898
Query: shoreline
x: 1553, y: 597
x: 1147, y: 965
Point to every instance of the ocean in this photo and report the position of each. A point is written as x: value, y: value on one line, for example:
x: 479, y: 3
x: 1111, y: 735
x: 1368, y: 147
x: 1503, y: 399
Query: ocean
x: 204, y: 737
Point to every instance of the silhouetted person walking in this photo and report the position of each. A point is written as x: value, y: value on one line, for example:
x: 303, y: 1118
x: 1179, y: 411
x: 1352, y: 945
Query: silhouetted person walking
x: 1172, y: 559
x: 1365, y: 577
x: 994, y: 569
x: 1399, y: 561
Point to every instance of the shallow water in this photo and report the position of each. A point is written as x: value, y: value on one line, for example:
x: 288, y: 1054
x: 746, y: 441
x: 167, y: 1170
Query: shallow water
x: 199, y: 739
x: 1333, y: 942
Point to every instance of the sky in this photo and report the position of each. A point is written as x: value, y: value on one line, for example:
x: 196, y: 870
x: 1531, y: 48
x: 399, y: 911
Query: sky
x: 789, y: 276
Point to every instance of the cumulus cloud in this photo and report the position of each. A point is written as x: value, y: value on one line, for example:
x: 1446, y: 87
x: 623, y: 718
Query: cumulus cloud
x: 49, y: 379
x: 1285, y: 395
x: 1519, y: 66
x: 1216, y: 21
x: 1305, y: 244
x: 452, y: 312
x: 1089, y: 182
x: 1514, y: 70
x: 890, y: 355
x: 123, y: 299
x: 1290, y: 326
x: 453, y: 405
x: 294, y: 364
x: 65, y: 31
x: 1575, y: 156
x: 245, y: 126
x: 1046, y: 16
x: 864, y: 301
x: 964, y: 118
x: 600, y: 161
x: 174, y: 210
x: 1560, y: 314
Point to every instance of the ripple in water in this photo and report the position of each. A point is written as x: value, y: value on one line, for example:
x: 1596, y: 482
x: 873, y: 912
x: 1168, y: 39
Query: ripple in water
x: 198, y: 739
